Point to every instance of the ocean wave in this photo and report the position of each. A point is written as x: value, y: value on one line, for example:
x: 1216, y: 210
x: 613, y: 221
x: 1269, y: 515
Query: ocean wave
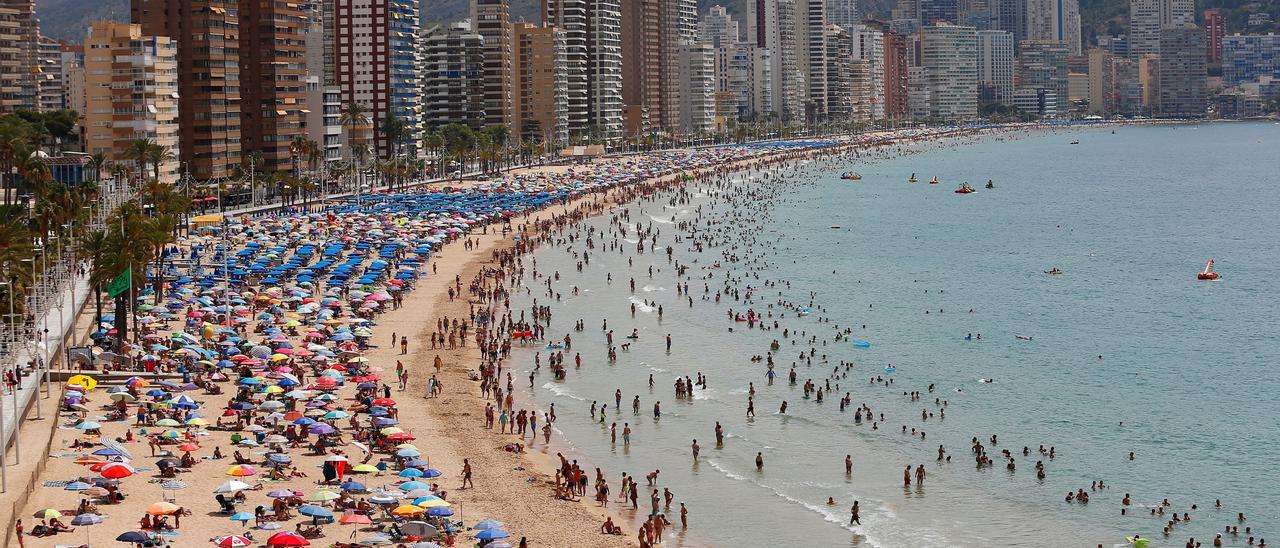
x: 654, y: 369
x: 652, y: 288
x: 827, y: 512
x: 640, y: 305
x: 660, y: 220
x: 561, y: 391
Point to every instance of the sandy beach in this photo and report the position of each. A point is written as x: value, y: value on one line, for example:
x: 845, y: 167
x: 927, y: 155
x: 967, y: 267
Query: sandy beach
x: 516, y: 489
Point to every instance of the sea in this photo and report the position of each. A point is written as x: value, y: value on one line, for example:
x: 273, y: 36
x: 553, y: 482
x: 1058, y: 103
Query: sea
x: 1124, y: 351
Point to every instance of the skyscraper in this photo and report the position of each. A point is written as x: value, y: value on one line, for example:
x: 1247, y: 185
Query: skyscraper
x: 652, y: 32
x: 20, y: 43
x: 1042, y: 67
x: 48, y: 65
x: 843, y: 13
x: 995, y: 65
x: 1147, y: 17
x: 1248, y: 58
x: 935, y: 11
x: 1054, y: 20
x: 718, y: 28
x: 1215, y: 27
x: 841, y: 86
x: 594, y: 60
x: 812, y: 53
x: 949, y: 58
x: 697, y: 88
x: 207, y: 37
x: 895, y: 75
x: 492, y: 22
x: 540, y: 74
x: 1102, y: 97
x: 376, y: 44
x: 453, y: 76
x: 1182, y: 71
x: 273, y: 90
x: 867, y: 43
x: 131, y: 82
x: 324, y: 98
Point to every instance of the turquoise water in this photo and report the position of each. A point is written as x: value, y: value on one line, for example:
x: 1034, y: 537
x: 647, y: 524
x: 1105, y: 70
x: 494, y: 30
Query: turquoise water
x: 1185, y: 380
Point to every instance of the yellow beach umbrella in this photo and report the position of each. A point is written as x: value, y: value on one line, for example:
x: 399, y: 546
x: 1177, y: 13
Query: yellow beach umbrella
x: 391, y: 430
x: 89, y: 383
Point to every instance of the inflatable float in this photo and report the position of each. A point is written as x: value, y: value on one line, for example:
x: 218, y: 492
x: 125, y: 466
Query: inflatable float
x: 862, y: 344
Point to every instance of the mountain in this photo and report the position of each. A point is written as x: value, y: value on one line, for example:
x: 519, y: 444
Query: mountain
x: 70, y: 19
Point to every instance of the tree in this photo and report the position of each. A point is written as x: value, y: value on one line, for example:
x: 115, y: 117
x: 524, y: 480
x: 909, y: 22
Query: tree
x: 97, y: 161
x: 139, y: 150
x: 158, y: 155
x: 354, y: 118
x: 97, y: 247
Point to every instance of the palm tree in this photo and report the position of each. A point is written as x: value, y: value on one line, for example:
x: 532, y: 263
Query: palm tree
x: 354, y: 117
x: 139, y: 150
x: 96, y: 246
x: 158, y: 155
x: 97, y: 162
x: 13, y: 150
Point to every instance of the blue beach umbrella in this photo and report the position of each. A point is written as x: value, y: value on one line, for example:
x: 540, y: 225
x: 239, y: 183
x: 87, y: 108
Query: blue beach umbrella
x: 491, y: 534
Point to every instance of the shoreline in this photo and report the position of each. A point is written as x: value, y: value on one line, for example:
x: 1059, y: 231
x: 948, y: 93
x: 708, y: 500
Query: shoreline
x: 511, y: 493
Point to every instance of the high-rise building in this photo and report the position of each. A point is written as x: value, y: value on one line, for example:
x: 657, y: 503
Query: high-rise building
x: 324, y: 97
x: 743, y: 81
x: 841, y: 87
x: 995, y: 65
x: 895, y: 75
x: 1116, y: 45
x: 949, y: 57
x: 812, y: 54
x: 1183, y: 71
x: 1249, y: 58
x: 19, y: 63
x: 1102, y: 97
x: 48, y: 67
x: 843, y: 13
x: 1147, y: 17
x: 1042, y: 66
x: 774, y: 27
x: 1011, y: 17
x: 72, y: 60
x: 376, y: 44
x: 207, y: 36
x: 273, y: 90
x: 697, y: 87
x: 718, y: 28
x: 935, y: 11
x: 131, y: 82
x: 1149, y: 81
x: 1215, y: 27
x: 652, y: 32
x: 594, y: 59
x: 1054, y: 20
x: 493, y: 23
x: 540, y: 73
x: 453, y: 76
x: 868, y: 56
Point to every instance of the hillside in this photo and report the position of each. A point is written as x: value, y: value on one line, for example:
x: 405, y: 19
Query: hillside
x: 70, y: 19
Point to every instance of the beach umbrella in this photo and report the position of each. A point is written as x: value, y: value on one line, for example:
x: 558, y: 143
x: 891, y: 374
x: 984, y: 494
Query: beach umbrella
x: 48, y: 513
x: 410, y: 473
x: 88, y: 425
x: 353, y: 486
x: 487, y: 524
x: 270, y: 526
x: 411, y: 485
x: 355, y: 519
x: 241, y: 470
x: 375, y: 540
x: 287, y: 539
x: 322, y: 496
x: 431, y: 473
x: 86, y: 520
x: 242, y: 517
x: 282, y: 494
x: 232, y: 541
x: 232, y: 486
x: 491, y: 534
x: 420, y: 529
x: 117, y: 470
x: 364, y: 469
x: 405, y: 510
x: 314, y: 511
x: 76, y: 486
x: 133, y: 537
x: 439, y: 511
x: 83, y: 380
x: 161, y: 509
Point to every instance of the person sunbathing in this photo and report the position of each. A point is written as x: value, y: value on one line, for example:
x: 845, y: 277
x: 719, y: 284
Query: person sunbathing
x: 58, y: 527
x: 609, y: 528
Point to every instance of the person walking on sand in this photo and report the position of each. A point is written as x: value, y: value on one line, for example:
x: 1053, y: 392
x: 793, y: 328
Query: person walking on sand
x: 466, y: 474
x: 17, y: 530
x: 404, y: 345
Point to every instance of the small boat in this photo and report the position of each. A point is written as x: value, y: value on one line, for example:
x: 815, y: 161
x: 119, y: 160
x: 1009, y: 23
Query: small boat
x: 835, y: 226
x: 990, y: 184
x: 1076, y: 142
x: 913, y: 179
x: 1208, y: 273
x: 1054, y: 271
x: 851, y: 176
x: 934, y: 180
x: 964, y: 188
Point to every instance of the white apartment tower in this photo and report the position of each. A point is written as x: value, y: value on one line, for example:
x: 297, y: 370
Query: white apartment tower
x: 1147, y: 17
x: 593, y: 58
x: 1054, y: 20
x: 995, y: 64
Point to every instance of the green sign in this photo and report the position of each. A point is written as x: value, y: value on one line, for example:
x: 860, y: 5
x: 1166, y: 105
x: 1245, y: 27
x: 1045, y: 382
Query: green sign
x: 120, y: 284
